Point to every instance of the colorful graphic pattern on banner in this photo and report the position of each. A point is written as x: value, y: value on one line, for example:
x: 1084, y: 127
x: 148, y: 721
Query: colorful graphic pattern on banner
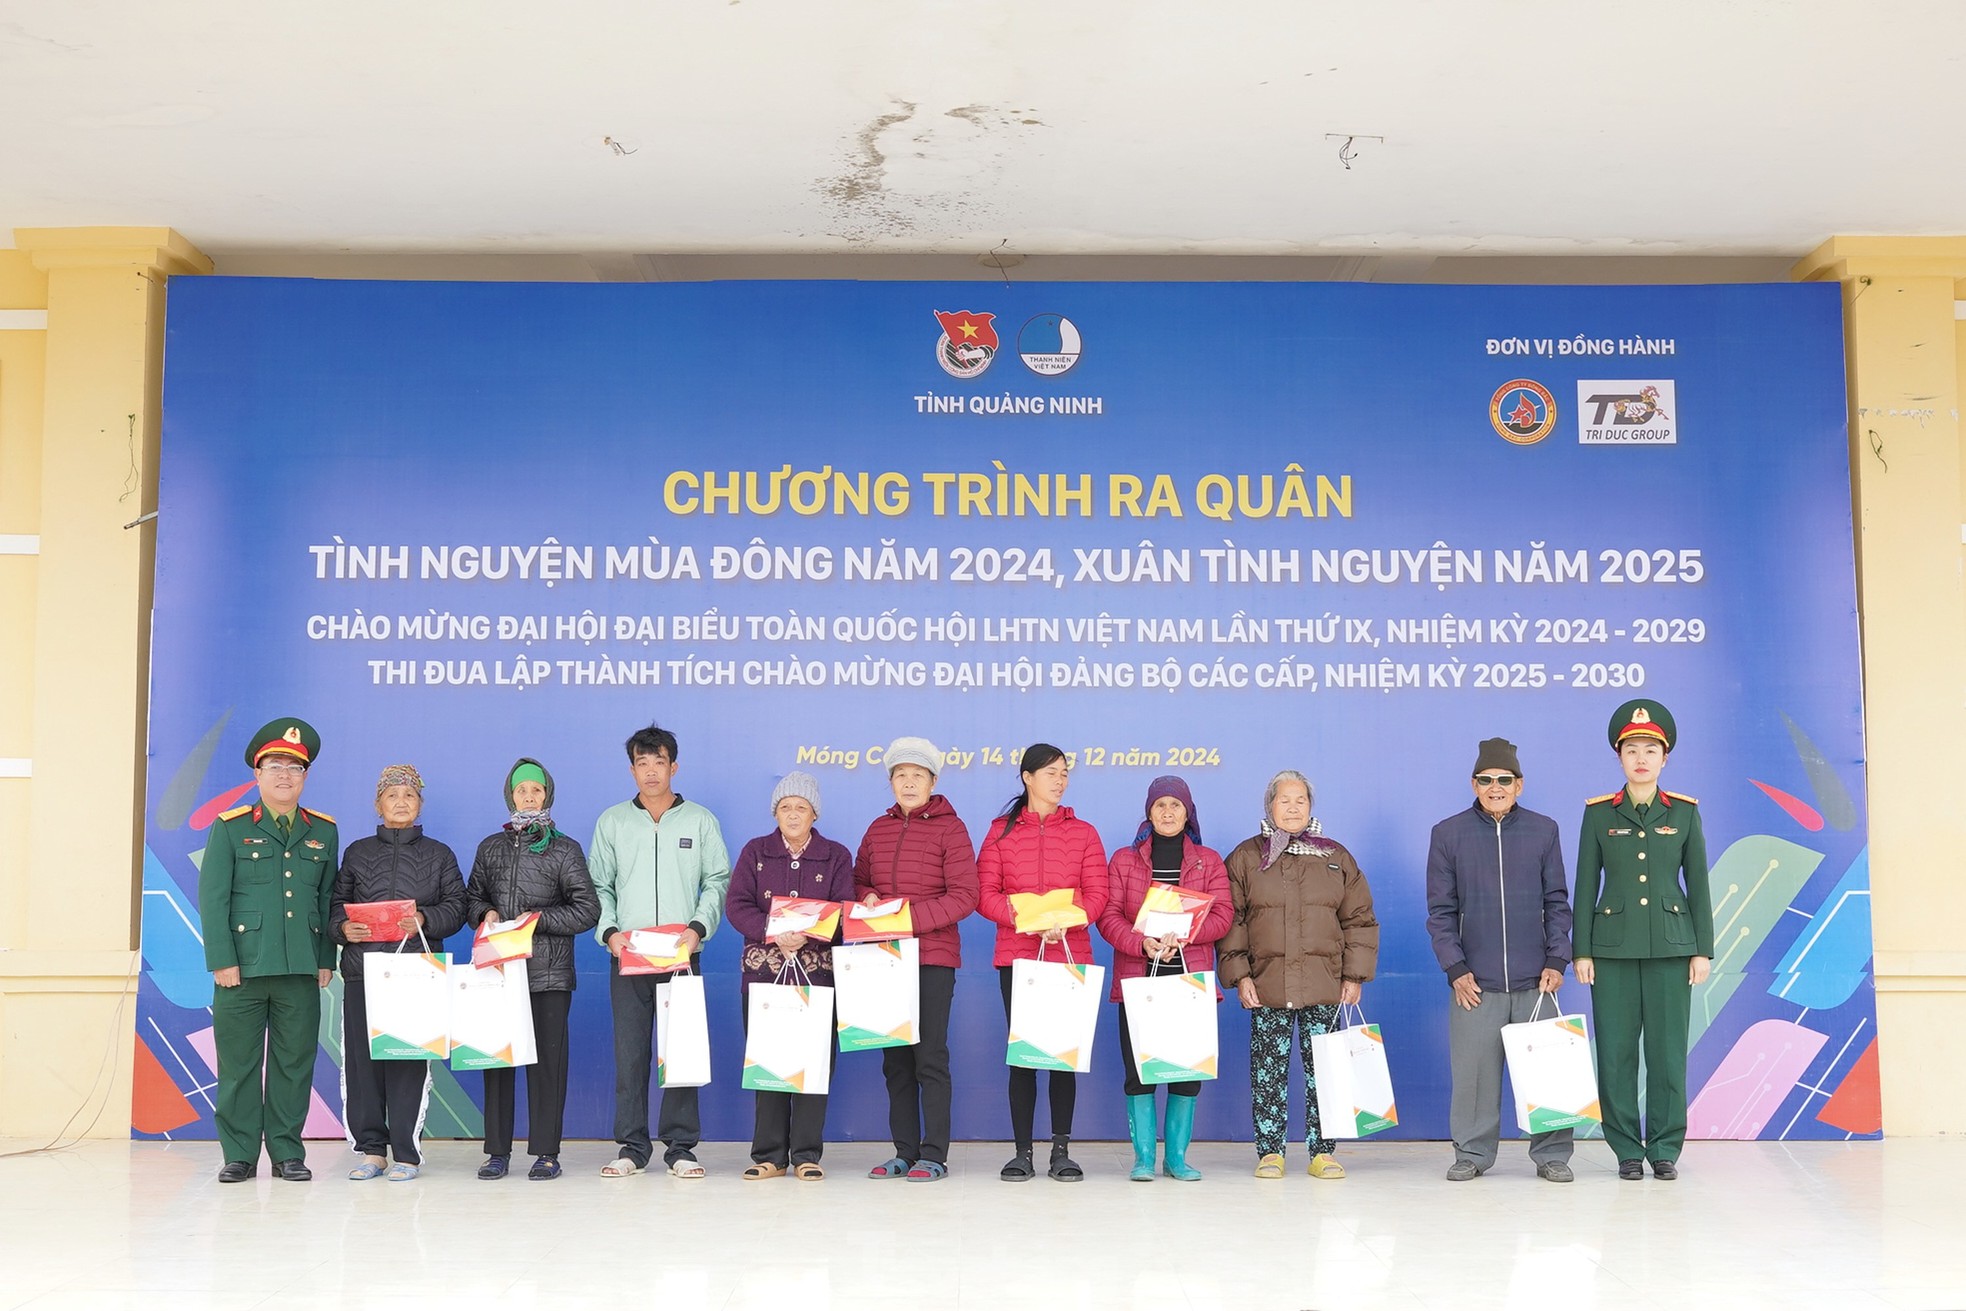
x: 1210, y: 530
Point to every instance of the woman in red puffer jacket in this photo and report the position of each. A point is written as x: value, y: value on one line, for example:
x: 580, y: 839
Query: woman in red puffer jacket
x: 1038, y: 845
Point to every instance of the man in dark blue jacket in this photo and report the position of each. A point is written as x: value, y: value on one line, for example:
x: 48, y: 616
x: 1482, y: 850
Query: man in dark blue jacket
x: 1498, y: 909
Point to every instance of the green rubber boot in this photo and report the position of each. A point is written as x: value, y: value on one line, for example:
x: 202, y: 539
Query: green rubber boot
x: 1180, y: 1132
x: 1140, y: 1121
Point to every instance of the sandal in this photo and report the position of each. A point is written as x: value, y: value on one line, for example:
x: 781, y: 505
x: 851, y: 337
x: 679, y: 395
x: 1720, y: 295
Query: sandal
x: 1017, y: 1169
x: 1324, y: 1166
x: 686, y: 1167
x: 621, y: 1167
x: 1270, y: 1167
x: 494, y: 1167
x: 926, y: 1172
x: 758, y: 1170
x: 544, y: 1167
x: 1063, y: 1168
x: 808, y: 1170
x: 402, y: 1172
x: 367, y: 1170
x: 892, y: 1168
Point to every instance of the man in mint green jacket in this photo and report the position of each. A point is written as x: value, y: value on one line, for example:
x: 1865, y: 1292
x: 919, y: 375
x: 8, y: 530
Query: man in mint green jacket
x: 655, y: 859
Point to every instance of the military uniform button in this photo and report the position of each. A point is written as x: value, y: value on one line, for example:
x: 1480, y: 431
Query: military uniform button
x: 242, y: 928
x: 1607, y: 910
x: 1641, y: 855
x: 290, y: 914
x: 255, y: 855
x: 290, y: 892
x: 1641, y: 878
x: 1641, y: 901
x: 290, y: 874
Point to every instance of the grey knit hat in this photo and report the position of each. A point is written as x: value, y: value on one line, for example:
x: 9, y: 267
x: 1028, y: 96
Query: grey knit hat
x: 1497, y: 753
x: 796, y: 784
x: 913, y: 751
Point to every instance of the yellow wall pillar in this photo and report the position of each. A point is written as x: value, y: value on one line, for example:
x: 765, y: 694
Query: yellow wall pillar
x: 72, y: 876
x: 1904, y: 354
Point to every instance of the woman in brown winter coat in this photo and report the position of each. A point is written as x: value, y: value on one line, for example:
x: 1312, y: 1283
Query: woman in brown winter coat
x: 1303, y: 942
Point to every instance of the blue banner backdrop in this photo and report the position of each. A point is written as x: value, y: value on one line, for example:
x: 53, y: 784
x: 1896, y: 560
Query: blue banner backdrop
x: 1213, y: 530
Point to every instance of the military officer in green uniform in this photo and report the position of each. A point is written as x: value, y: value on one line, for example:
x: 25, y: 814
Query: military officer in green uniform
x: 1643, y: 939
x: 263, y: 891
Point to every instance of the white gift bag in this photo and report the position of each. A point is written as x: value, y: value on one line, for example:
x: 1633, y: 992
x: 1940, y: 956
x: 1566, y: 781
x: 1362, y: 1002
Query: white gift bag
x: 877, y: 990
x: 682, y: 1033
x: 788, y: 1043
x: 1170, y: 1019
x: 1354, y: 1086
x: 1054, y: 1007
x: 408, y: 998
x: 491, y: 1018
x: 1550, y: 1068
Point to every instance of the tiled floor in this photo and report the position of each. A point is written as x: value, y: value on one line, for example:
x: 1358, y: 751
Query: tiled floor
x: 1791, y: 1226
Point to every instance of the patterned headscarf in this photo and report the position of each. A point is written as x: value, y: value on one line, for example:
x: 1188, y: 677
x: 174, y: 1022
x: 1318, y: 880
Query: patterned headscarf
x: 397, y: 776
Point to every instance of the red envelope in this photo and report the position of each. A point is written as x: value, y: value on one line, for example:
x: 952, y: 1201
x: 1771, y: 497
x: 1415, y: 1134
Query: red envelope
x: 812, y: 916
x: 861, y: 925
x: 384, y: 918
x: 644, y: 952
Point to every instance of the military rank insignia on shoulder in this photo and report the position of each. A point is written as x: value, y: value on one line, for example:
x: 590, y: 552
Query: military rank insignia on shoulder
x: 319, y: 815
x: 1598, y: 801
x: 1681, y: 796
x: 235, y: 812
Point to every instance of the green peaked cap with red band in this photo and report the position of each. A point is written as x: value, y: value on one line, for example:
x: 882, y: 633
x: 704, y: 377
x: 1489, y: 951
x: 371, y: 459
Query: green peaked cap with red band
x: 292, y: 738
x: 1642, y: 718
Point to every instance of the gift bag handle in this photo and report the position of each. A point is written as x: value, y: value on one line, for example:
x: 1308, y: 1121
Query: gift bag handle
x: 1068, y: 951
x: 1346, y: 1010
x: 1536, y: 1012
x: 404, y: 941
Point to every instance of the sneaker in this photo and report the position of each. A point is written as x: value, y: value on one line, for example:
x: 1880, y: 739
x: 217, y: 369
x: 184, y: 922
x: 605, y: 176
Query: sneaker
x: 1555, y: 1172
x: 1665, y: 1170
x: 494, y: 1167
x: 544, y: 1167
x: 1462, y: 1171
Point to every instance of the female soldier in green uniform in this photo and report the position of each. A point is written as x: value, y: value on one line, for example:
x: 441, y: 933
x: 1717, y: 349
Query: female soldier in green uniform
x: 1643, y: 938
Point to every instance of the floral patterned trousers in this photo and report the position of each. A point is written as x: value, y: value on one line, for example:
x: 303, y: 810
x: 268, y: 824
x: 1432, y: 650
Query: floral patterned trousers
x: 1269, y: 1073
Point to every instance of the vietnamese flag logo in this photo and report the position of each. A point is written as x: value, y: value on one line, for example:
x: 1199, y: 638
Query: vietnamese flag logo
x: 968, y: 344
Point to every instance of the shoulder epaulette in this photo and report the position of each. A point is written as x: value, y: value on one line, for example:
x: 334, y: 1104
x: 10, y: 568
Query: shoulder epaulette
x: 1681, y: 796
x: 319, y: 814
x: 1598, y: 801
x: 236, y: 811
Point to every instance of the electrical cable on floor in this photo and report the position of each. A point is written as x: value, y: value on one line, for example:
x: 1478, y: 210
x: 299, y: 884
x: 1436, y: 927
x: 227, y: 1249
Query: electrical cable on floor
x: 107, y: 1066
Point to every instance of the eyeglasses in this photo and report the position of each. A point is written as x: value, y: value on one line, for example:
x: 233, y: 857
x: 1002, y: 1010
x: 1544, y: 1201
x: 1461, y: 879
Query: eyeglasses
x: 282, y: 767
x: 1490, y: 780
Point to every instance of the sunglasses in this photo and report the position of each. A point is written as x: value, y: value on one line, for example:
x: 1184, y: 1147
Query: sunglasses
x: 1490, y: 780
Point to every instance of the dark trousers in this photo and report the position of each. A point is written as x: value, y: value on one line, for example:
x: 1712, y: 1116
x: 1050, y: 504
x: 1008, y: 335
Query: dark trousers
x: 382, y: 1102
x: 1643, y: 1005
x: 1134, y: 1088
x: 266, y: 1029
x: 546, y: 1084
x: 681, y: 1126
x: 788, y: 1128
x: 918, y: 1084
x: 1063, y: 1087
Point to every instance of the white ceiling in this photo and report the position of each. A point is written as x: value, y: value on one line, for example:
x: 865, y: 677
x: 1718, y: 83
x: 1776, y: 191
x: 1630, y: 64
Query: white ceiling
x: 1097, y: 137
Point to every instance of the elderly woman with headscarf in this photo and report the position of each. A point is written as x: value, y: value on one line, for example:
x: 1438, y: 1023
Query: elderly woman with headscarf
x: 1166, y: 850
x: 793, y: 860
x: 382, y: 1101
x: 530, y: 865
x: 1303, y: 942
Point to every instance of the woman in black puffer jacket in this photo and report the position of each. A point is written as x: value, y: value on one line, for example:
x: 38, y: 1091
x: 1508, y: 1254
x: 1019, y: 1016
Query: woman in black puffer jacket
x: 530, y: 865
x: 382, y: 1101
